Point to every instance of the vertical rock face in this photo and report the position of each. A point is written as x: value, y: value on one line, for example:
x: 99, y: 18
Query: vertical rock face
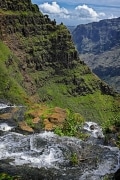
x: 15, y: 5
x: 99, y: 45
x: 32, y: 23
x: 97, y: 37
x: 37, y: 41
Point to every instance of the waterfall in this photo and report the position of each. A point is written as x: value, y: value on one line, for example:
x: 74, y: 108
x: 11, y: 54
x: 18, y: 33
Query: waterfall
x: 47, y: 150
x: 55, y: 157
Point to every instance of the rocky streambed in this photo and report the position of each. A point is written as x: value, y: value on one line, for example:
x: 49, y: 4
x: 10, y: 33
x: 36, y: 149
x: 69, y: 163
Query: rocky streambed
x: 47, y: 156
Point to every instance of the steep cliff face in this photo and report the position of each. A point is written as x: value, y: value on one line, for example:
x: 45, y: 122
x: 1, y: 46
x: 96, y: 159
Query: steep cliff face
x: 36, y: 41
x: 97, y: 37
x: 99, y: 46
x: 39, y: 63
x: 15, y: 5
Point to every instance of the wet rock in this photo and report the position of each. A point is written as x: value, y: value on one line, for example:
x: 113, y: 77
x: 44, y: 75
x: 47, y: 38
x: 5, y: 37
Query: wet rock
x: 48, y: 125
x: 6, y: 116
x: 36, y: 120
x: 92, y: 127
x: 117, y: 175
x: 48, y: 156
x: 23, y: 126
x: 58, y: 116
x: 11, y: 118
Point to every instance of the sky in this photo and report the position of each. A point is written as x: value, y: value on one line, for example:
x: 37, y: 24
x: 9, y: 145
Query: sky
x: 75, y: 12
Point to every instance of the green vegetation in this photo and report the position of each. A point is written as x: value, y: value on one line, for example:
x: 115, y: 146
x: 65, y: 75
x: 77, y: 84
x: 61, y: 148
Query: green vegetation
x: 71, y: 126
x: 74, y: 159
x: 113, y: 122
x: 93, y: 106
x: 10, y: 77
x: 110, y: 127
x: 29, y: 119
x: 4, y: 176
x: 42, y: 65
x: 41, y: 69
x: 108, y: 177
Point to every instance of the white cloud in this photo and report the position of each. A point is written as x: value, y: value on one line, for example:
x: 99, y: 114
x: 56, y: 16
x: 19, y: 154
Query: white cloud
x: 54, y: 9
x: 87, y: 12
x: 111, y: 16
x: 81, y: 14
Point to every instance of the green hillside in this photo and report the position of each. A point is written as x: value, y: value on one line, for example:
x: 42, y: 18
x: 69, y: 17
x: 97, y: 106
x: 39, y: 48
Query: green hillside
x: 39, y: 63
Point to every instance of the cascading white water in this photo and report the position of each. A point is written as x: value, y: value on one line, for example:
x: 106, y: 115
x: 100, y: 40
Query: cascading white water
x: 107, y: 166
x: 49, y: 150
x: 5, y: 124
x: 31, y: 150
x: 5, y: 127
x: 93, y: 129
x: 4, y: 106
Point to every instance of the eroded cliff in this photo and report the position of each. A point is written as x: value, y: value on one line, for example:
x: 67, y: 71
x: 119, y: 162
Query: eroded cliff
x: 39, y: 63
x: 99, y: 46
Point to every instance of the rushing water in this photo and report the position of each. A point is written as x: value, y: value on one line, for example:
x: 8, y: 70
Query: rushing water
x: 50, y: 153
x: 4, y: 106
x: 5, y: 127
x: 93, y: 129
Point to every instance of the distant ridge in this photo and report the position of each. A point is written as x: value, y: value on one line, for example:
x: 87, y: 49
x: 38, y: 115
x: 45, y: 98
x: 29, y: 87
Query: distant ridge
x: 99, y: 46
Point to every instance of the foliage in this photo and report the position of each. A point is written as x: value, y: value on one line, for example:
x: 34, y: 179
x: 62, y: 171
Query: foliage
x: 37, y: 111
x: 106, y: 125
x: 112, y: 126
x: 71, y: 126
x: 4, y: 176
x: 42, y: 65
x: 74, y: 159
x: 10, y: 77
x: 29, y: 119
x: 92, y: 106
x: 108, y: 177
x: 59, y: 131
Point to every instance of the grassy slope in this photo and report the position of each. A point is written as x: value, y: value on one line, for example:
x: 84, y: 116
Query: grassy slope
x: 56, y: 89
x: 94, y: 107
x: 10, y: 77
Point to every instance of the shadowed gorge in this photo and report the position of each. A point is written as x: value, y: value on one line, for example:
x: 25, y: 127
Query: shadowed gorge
x: 99, y: 46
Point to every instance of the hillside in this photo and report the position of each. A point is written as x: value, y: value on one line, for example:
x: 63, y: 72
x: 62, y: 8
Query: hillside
x: 39, y: 63
x: 99, y: 46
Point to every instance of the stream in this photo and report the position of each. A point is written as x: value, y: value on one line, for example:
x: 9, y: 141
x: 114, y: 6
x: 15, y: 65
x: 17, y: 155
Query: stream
x: 47, y: 156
